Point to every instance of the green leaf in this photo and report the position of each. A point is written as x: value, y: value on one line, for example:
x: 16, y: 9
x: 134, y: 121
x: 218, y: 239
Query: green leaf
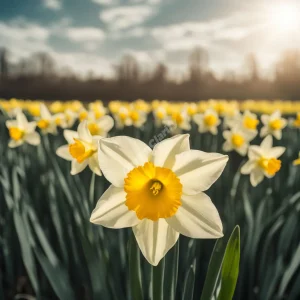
x: 189, y: 282
x: 214, y: 269
x: 57, y: 277
x: 230, y: 267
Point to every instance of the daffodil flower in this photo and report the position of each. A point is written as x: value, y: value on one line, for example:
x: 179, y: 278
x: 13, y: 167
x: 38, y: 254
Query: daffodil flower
x: 46, y: 122
x: 159, y: 192
x: 178, y: 121
x: 81, y: 150
x: 122, y: 117
x: 249, y: 122
x: 296, y: 162
x: 21, y: 131
x: 273, y: 124
x: 138, y: 117
x: 237, y: 139
x: 207, y: 122
x: 100, y: 126
x: 160, y: 114
x: 263, y: 161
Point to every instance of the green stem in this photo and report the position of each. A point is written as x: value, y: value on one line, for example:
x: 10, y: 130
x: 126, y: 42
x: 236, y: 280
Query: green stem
x: 135, y: 270
x: 158, y: 281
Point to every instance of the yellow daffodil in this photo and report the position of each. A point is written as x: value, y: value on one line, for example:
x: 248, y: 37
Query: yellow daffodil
x: 100, y: 126
x: 21, y: 131
x: 82, y: 149
x: 159, y: 192
x: 273, y: 124
x: 46, y: 122
x: 263, y: 161
x: 207, y: 122
x: 237, y: 139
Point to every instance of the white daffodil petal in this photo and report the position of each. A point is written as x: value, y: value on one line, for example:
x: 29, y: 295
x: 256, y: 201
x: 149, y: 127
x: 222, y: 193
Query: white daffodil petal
x: 256, y: 176
x: 277, y: 134
x: 83, y: 132
x: 227, y: 146
x: 63, y: 152
x: 255, y: 152
x: 197, y: 217
x: 155, y: 239
x: 106, y: 123
x: 198, y: 170
x: 45, y: 114
x: 70, y: 135
x: 78, y: 167
x: 163, y: 154
x: 94, y: 165
x: 276, y: 152
x: 119, y: 155
x: 248, y: 167
x: 14, y: 144
x: 264, y: 131
x: 242, y: 150
x: 33, y: 138
x: 267, y: 143
x: 21, y: 120
x: 111, y: 210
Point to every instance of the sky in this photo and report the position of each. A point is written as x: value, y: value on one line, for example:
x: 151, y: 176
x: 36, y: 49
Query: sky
x: 93, y: 35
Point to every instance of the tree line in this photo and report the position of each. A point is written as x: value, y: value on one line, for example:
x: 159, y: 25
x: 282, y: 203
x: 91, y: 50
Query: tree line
x: 39, y: 77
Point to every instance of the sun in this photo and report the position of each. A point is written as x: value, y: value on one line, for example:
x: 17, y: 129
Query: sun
x: 285, y: 17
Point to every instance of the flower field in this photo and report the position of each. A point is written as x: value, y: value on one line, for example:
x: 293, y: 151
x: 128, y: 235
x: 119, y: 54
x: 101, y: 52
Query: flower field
x: 174, y: 180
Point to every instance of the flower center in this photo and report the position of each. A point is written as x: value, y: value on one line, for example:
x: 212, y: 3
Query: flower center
x: 177, y: 118
x: 275, y: 124
x: 43, y: 124
x: 152, y: 192
x: 16, y: 133
x: 79, y: 151
x: 134, y: 116
x: 98, y: 114
x: 270, y: 165
x: 58, y: 121
x: 82, y: 116
x: 210, y: 120
x: 94, y: 128
x: 156, y: 187
x: 250, y: 123
x: 160, y: 115
x: 237, y: 140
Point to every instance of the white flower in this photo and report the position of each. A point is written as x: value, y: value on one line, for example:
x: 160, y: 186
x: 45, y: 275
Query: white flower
x: 178, y: 121
x: 81, y: 150
x: 159, y: 192
x: 46, y: 122
x: 138, y: 118
x: 160, y: 114
x: 207, y: 122
x: 232, y: 119
x: 21, y: 131
x: 70, y: 118
x: 262, y: 161
x: 237, y: 139
x: 100, y: 126
x: 249, y: 122
x: 122, y: 117
x: 273, y: 124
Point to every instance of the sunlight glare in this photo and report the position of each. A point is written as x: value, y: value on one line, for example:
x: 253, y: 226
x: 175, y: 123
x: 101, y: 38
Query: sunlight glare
x: 285, y: 17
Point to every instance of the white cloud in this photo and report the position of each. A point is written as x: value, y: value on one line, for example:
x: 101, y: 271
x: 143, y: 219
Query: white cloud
x: 23, y: 38
x: 123, y: 17
x: 53, y: 4
x: 85, y: 34
x: 106, y: 2
x: 82, y: 63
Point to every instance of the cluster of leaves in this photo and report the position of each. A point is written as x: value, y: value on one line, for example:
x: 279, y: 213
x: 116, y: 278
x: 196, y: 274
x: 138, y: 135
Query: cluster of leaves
x: 50, y: 250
